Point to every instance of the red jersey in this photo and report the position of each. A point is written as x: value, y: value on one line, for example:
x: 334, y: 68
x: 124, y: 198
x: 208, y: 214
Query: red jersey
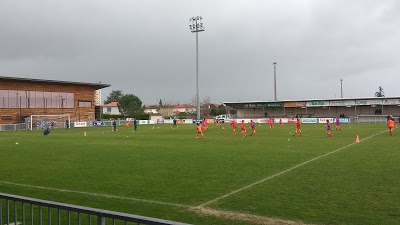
x: 298, y: 125
x: 271, y: 121
x: 234, y: 123
x: 242, y: 126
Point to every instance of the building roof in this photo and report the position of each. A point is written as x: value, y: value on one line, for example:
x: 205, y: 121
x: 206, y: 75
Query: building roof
x: 184, y: 106
x: 240, y: 104
x: 111, y: 104
x: 152, y: 106
x: 94, y: 85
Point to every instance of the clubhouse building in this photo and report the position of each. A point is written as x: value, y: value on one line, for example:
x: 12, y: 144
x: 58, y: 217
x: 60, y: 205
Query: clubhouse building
x: 345, y: 107
x: 22, y: 97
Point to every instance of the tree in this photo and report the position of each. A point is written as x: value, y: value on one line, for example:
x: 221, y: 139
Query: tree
x: 233, y: 111
x: 130, y: 105
x: 193, y: 100
x: 206, y: 100
x: 221, y: 109
x: 380, y: 93
x: 114, y: 96
x: 214, y: 112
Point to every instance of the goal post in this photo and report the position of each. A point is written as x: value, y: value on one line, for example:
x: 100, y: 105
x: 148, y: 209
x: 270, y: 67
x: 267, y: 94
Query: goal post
x: 51, y: 121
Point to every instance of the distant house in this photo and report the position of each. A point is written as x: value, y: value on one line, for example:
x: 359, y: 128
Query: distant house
x: 170, y: 110
x: 111, y: 109
x: 188, y: 108
x: 152, y: 109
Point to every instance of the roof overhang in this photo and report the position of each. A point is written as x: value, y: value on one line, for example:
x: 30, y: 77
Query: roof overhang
x: 96, y: 86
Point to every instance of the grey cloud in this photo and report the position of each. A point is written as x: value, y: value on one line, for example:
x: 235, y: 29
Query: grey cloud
x: 146, y: 47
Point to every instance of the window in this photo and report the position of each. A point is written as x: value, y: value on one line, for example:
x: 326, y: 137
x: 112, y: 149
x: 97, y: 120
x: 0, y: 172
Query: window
x: 69, y: 100
x: 6, y: 117
x: 85, y: 104
x: 109, y: 109
x: 3, y: 98
x: 37, y: 99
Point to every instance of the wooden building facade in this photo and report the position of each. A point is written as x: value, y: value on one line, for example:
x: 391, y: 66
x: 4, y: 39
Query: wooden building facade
x: 22, y: 97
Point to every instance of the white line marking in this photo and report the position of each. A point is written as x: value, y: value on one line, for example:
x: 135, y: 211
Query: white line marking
x: 97, y: 195
x: 282, y: 172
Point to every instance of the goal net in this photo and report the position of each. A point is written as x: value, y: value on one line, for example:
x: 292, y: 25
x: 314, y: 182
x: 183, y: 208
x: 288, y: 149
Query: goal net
x: 51, y: 121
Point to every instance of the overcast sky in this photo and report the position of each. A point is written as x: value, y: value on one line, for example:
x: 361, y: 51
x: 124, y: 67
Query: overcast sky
x: 146, y: 47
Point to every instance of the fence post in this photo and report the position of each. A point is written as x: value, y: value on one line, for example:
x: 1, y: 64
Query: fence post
x: 101, y: 220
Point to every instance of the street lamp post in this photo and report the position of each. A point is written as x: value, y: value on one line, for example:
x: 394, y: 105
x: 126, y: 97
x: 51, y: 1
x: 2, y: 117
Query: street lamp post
x: 196, y: 27
x: 341, y: 88
x: 276, y: 98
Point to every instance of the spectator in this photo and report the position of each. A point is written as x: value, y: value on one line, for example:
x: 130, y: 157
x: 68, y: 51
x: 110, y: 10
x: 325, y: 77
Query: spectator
x: 135, y: 123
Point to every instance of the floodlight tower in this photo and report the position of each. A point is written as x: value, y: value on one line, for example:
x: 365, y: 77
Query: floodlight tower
x: 276, y: 98
x: 196, y: 27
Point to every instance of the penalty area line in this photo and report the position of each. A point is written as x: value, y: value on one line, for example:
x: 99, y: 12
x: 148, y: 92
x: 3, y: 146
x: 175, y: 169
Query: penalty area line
x: 283, y: 172
x: 97, y: 194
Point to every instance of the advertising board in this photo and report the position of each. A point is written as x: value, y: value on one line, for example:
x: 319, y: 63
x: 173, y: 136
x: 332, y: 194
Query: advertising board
x: 323, y: 120
x: 143, y: 122
x: 309, y: 120
x: 342, y: 120
x: 80, y: 124
x: 295, y: 104
x: 98, y: 123
x: 317, y: 103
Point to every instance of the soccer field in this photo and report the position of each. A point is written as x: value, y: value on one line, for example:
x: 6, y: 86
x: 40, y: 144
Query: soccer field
x: 223, y: 179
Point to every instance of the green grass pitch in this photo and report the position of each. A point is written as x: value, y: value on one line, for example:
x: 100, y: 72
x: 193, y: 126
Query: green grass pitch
x: 168, y: 173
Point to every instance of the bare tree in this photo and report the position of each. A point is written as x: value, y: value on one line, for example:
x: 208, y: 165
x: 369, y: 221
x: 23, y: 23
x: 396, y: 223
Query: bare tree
x: 193, y: 100
x: 206, y: 100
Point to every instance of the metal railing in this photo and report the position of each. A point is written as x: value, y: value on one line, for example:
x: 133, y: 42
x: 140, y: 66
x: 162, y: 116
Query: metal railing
x: 373, y: 119
x: 13, y: 127
x: 24, y: 210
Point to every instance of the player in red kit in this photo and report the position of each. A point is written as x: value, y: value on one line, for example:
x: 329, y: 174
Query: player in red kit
x: 298, y: 128
x: 280, y: 122
x: 205, y: 125
x: 243, y: 128
x: 234, y: 125
x: 271, y: 123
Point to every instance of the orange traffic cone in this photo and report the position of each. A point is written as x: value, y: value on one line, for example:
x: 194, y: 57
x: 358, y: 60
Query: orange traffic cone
x: 357, y: 139
x: 84, y: 133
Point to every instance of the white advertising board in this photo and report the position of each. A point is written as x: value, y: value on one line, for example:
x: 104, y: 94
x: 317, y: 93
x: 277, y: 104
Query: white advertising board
x: 152, y: 121
x: 80, y: 124
x: 323, y: 120
x: 309, y: 120
x: 143, y: 122
x: 263, y: 120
